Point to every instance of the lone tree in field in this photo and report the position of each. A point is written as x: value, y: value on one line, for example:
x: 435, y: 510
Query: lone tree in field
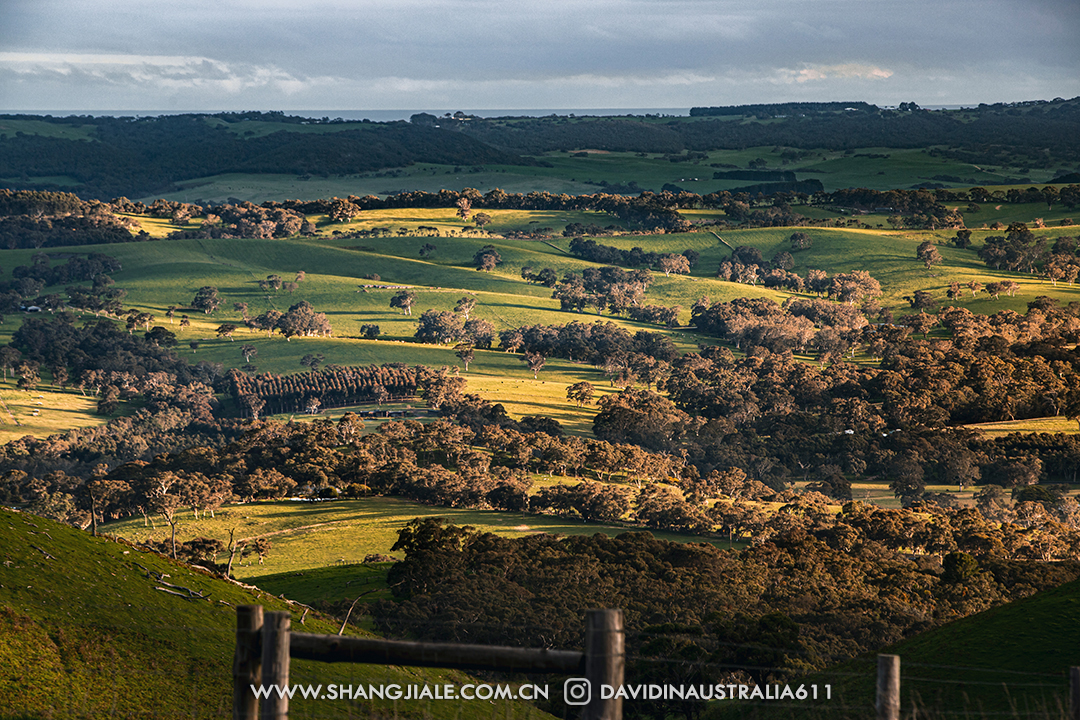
x: 427, y: 249
x: 226, y: 330
x: 928, y: 253
x: 481, y: 219
x: 678, y: 264
x: 800, y: 241
x: 486, y: 258
x: 580, y: 393
x: 248, y: 351
x: 465, y: 306
x: 535, y: 361
x: 206, y: 299
x: 404, y: 300
x: 465, y: 352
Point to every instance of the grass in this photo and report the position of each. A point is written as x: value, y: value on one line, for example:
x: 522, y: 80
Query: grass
x: 1010, y: 661
x: 64, y: 131
x: 43, y: 412
x: 159, y: 274
x: 84, y: 633
x: 584, y: 175
x: 311, y: 535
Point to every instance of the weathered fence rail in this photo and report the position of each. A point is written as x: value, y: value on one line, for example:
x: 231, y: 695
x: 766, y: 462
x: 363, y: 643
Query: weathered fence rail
x: 265, y: 643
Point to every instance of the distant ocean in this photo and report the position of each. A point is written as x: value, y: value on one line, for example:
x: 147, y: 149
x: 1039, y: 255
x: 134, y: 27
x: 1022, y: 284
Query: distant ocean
x: 392, y: 115
x: 380, y: 115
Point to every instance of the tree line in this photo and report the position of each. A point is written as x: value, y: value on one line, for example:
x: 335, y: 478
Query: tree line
x: 823, y: 590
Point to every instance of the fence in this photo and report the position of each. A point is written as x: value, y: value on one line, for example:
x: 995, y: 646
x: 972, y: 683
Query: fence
x: 265, y: 644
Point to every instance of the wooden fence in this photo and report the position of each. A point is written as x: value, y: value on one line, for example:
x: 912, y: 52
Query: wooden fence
x: 265, y: 644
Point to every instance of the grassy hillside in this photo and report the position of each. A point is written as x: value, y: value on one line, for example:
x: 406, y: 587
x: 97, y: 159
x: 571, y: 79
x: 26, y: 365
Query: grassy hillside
x: 1011, y: 661
x: 875, y: 168
x: 169, y: 273
x: 85, y: 634
x: 308, y: 535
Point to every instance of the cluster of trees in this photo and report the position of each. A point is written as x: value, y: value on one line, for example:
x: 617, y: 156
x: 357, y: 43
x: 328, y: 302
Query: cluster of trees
x: 142, y: 156
x: 437, y: 463
x: 300, y: 320
x: 913, y: 208
x: 103, y: 297
x: 778, y: 419
x: 333, y: 386
x: 1021, y: 250
x: 803, y: 600
x: 599, y: 288
x: 96, y: 225
x: 442, y: 326
x: 831, y: 328
x: 666, y: 263
x: 75, y: 269
x: 747, y: 266
x: 987, y: 133
x: 596, y: 343
x: 242, y: 220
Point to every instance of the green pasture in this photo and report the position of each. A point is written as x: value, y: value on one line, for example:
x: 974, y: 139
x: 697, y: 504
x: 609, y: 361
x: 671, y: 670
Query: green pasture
x: 312, y: 535
x: 260, y: 128
x: 44, y: 411
x: 63, y: 131
x: 901, y: 168
x: 1051, y: 425
x: 259, y: 188
x: 87, y: 631
x: 1005, y: 213
x: 571, y: 173
x: 160, y: 274
x: 447, y: 221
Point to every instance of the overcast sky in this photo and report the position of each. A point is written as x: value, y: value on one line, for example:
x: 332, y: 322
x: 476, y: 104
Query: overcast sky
x: 81, y: 55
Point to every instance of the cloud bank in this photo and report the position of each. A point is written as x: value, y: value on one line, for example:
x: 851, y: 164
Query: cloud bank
x: 242, y: 54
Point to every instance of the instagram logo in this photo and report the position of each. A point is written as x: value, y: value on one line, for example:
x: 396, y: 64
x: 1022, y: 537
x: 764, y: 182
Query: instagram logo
x: 577, y: 691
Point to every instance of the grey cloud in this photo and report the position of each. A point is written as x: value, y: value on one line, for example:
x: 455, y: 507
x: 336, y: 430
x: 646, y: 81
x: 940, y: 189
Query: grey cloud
x: 335, y: 53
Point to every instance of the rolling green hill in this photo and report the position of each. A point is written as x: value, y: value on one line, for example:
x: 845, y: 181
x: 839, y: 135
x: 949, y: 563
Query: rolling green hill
x: 1010, y: 661
x: 160, y: 274
x: 85, y: 633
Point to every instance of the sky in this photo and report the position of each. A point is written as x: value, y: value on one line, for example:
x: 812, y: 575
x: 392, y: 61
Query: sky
x: 221, y: 55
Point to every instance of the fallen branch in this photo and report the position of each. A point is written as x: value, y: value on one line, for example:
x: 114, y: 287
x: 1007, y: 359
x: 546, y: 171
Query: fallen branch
x: 190, y: 596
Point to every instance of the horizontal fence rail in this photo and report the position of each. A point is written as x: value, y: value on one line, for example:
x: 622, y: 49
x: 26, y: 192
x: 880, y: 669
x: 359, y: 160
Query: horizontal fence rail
x: 265, y: 644
x: 335, y: 648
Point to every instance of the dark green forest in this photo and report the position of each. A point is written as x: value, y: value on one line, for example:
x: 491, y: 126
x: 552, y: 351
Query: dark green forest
x: 137, y: 156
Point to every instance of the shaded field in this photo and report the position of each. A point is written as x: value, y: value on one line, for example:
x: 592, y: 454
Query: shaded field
x: 874, y: 168
x: 1009, y: 661
x: 309, y: 535
x: 86, y: 630
x: 43, y: 412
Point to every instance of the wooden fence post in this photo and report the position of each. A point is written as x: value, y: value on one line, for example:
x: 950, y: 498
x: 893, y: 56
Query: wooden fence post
x: 888, y: 687
x: 247, y: 661
x: 604, y: 662
x: 1074, y: 693
x: 275, y: 664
